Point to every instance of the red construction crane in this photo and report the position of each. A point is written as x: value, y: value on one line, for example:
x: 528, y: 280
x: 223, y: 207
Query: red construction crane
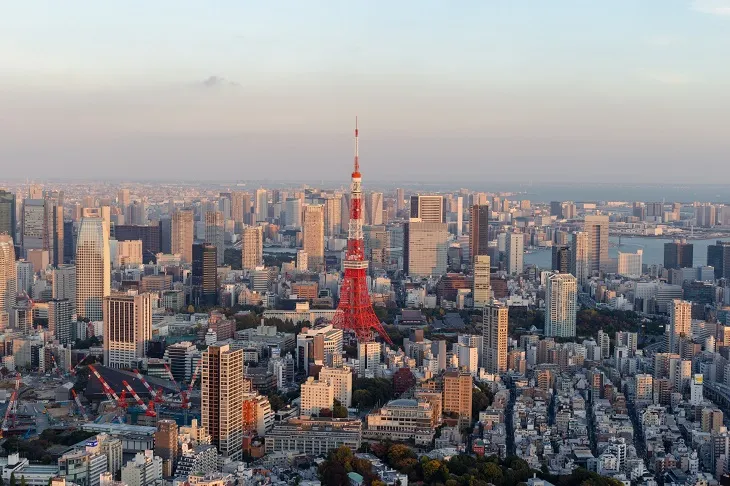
x: 78, y: 404
x: 12, y: 406
x: 55, y: 365
x: 72, y: 369
x: 149, y: 411
x: 110, y: 394
x: 186, y: 395
x: 144, y: 382
x: 172, y: 378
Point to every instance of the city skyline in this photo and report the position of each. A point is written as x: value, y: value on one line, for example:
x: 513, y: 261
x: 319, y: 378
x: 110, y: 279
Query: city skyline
x: 480, y: 88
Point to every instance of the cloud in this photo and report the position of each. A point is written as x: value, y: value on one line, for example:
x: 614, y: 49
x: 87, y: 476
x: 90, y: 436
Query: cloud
x: 712, y: 7
x: 217, y: 81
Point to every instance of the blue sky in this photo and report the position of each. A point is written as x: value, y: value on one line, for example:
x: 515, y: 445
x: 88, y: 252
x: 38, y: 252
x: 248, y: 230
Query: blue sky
x: 563, y: 89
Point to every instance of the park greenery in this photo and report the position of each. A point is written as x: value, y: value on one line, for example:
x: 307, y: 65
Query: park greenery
x: 459, y: 470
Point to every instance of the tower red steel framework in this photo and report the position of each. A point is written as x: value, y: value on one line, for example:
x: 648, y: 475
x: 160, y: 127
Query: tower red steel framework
x: 355, y: 311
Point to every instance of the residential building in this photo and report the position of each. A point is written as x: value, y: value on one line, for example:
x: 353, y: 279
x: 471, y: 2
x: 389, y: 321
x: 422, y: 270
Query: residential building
x: 8, y: 280
x: 561, y: 296
x: 313, y: 236
x: 205, y: 276
x: 127, y: 329
x: 458, y: 394
x: 494, y: 332
x: 341, y: 381
x: 252, y: 247
x: 183, y: 234
x: 145, y: 469
x: 479, y: 230
x: 515, y: 250
x: 316, y: 395
x: 596, y: 227
x: 481, y: 290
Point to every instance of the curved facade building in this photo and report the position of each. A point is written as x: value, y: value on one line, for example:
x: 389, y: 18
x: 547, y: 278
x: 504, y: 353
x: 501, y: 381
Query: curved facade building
x: 8, y: 280
x: 93, y: 268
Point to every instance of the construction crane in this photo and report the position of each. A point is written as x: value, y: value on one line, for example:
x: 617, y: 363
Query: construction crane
x: 12, y: 406
x: 55, y: 365
x: 144, y: 382
x: 172, y: 378
x: 72, y: 369
x: 78, y: 404
x: 186, y: 395
x: 149, y: 411
x: 110, y: 394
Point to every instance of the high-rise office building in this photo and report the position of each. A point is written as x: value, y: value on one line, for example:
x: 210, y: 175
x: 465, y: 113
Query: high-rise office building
x: 374, y: 209
x: 148, y: 234
x: 428, y: 208
x: 93, y: 266
x: 313, y: 236
x: 515, y: 252
x: 596, y: 227
x: 479, y: 231
x: 332, y: 215
x: 221, y: 400
x: 205, y: 277
x: 556, y: 209
x: 425, y: 248
x: 239, y: 208
x: 494, y: 337
x: 459, y: 216
x: 579, y: 266
x: 33, y: 224
x: 59, y: 319
x: 482, y: 289
x: 252, y: 247
x: 629, y: 264
x: 183, y: 234
x: 678, y: 254
x: 8, y: 280
x: 718, y: 257
x: 123, y: 198
x: 8, y: 213
x: 214, y: 233
x: 64, y: 284
x: 561, y: 294
x: 561, y: 259
x: 680, y: 322
x: 127, y: 329
x: 261, y: 205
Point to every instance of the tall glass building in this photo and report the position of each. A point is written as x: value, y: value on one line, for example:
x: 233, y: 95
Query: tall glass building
x: 93, y: 266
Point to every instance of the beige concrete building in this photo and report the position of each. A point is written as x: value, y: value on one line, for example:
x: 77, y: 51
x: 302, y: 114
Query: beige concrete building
x: 313, y: 236
x: 341, y: 381
x: 481, y: 288
x: 8, y: 280
x: 458, y: 394
x: 426, y: 247
x: 316, y: 395
x: 183, y: 234
x: 402, y: 420
x: 680, y: 322
x: 596, y: 227
x: 221, y: 400
x: 252, y: 247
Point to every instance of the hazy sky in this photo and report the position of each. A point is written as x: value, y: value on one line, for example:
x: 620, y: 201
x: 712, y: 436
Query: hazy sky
x: 545, y: 90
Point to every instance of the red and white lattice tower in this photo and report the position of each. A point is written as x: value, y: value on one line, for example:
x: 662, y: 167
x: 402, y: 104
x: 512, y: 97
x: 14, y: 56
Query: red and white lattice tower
x: 355, y: 312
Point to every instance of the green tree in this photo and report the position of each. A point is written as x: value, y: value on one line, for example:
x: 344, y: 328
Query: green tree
x: 492, y: 473
x: 13, y: 482
x: 22, y: 481
x: 430, y: 470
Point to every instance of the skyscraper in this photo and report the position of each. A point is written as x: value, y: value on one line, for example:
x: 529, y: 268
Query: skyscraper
x: 515, y: 251
x: 293, y: 212
x: 561, y: 295
x: 374, y: 209
x: 166, y: 445
x: 428, y: 208
x: 425, y: 248
x: 680, y: 322
x: 459, y: 216
x: 718, y: 257
x: 332, y: 215
x: 64, y: 284
x: 127, y: 329
x: 313, y: 236
x: 494, y: 334
x: 183, y: 234
x: 59, y: 319
x: 629, y: 264
x: 596, y: 227
x: 252, y: 247
x: 7, y: 213
x: 479, y: 231
x: 579, y: 257
x: 8, y: 279
x: 482, y: 290
x: 556, y: 209
x: 93, y: 266
x: 205, y: 277
x: 34, y: 225
x: 262, y: 205
x: 221, y: 398
x: 149, y: 235
x: 214, y: 233
x: 561, y: 258
x: 678, y: 254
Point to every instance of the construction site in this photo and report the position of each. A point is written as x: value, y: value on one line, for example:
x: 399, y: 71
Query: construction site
x: 63, y: 400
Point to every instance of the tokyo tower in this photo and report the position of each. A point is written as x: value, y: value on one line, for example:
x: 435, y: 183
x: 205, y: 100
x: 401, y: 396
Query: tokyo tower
x: 355, y: 312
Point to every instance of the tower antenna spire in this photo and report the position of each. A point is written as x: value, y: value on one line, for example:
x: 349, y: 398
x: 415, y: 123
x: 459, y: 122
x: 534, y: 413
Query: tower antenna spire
x: 357, y: 147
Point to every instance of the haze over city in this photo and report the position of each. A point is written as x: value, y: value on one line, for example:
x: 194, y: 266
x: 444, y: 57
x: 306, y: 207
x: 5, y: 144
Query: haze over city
x: 486, y: 91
